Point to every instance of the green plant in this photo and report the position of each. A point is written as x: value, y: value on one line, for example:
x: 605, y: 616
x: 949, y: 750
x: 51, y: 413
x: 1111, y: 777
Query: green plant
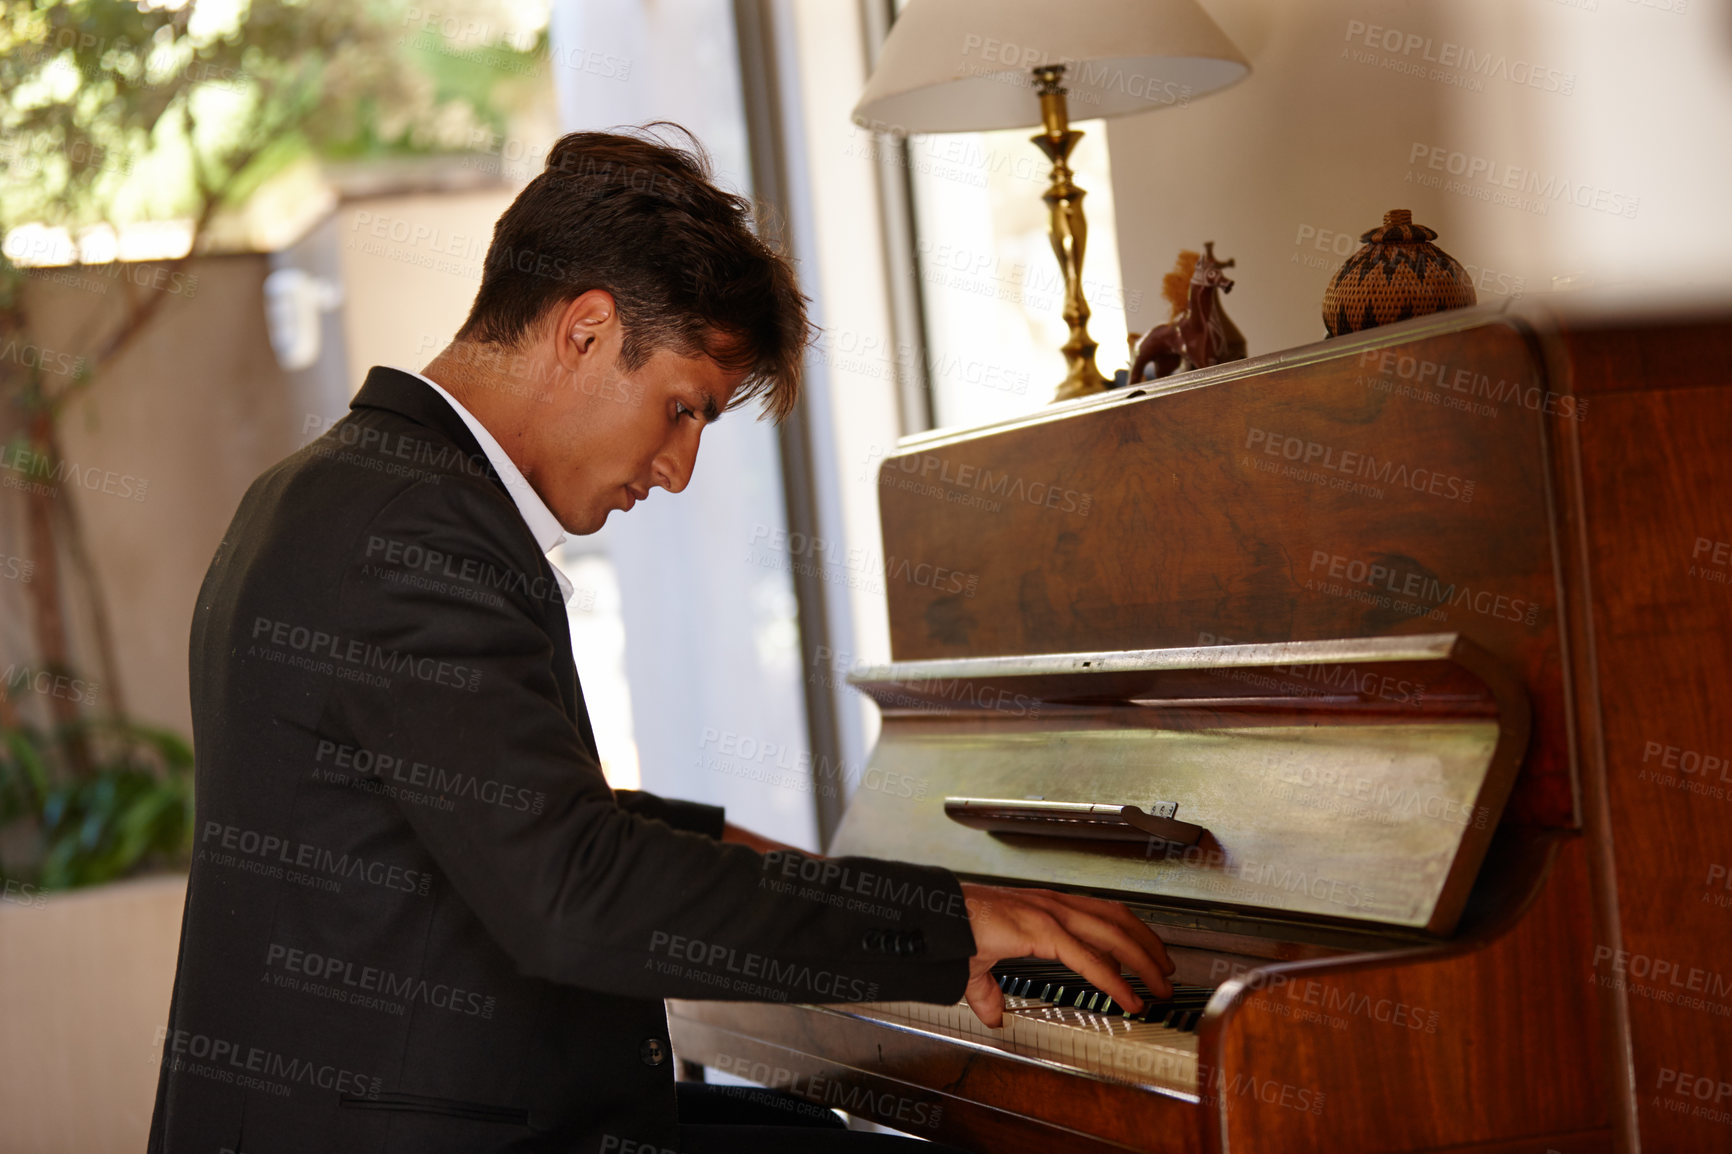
x: 129, y: 811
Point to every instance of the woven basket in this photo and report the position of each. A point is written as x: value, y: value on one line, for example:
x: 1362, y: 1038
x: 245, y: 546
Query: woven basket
x: 1398, y: 273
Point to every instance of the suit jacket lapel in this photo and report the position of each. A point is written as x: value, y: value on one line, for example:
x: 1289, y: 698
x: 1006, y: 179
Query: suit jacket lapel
x: 400, y: 393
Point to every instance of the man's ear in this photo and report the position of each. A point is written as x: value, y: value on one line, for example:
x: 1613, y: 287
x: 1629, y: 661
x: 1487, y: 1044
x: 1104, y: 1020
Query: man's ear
x: 584, y: 327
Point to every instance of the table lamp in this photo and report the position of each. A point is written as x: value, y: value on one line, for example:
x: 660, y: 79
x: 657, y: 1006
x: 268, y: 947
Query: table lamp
x: 969, y: 65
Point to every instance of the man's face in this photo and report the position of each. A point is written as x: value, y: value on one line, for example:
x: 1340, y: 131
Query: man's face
x: 609, y: 435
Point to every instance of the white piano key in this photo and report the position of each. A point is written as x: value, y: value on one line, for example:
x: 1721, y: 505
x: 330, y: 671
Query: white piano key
x: 1106, y: 1046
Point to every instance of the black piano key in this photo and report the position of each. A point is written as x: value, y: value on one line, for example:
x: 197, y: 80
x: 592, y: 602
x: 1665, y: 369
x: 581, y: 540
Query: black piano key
x: 1045, y: 981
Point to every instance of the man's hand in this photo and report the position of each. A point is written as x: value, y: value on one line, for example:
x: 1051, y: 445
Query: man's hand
x: 1091, y: 936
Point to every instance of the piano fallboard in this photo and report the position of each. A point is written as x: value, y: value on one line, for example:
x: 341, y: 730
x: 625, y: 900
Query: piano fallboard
x: 1349, y: 780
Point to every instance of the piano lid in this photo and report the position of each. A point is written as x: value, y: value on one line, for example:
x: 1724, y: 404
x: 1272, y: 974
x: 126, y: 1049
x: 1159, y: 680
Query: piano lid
x: 1355, y: 780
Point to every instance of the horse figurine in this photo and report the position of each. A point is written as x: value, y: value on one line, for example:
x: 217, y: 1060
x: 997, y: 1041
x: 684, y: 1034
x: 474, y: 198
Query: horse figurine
x: 1200, y: 333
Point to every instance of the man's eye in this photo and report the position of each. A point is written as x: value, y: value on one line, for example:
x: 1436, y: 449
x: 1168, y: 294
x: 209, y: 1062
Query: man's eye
x: 681, y: 411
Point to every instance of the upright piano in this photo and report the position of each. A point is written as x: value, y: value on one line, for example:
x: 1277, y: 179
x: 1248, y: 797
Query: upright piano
x: 1387, y: 679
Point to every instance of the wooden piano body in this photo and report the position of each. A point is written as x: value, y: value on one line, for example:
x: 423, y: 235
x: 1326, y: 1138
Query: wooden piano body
x: 1529, y: 511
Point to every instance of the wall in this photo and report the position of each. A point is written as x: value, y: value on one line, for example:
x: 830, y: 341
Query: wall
x: 1625, y: 112
x: 184, y: 421
x: 88, y: 980
x: 198, y: 407
x: 411, y: 264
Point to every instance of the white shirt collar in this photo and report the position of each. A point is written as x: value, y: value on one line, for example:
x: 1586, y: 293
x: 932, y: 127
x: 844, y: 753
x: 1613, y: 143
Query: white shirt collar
x: 542, y: 523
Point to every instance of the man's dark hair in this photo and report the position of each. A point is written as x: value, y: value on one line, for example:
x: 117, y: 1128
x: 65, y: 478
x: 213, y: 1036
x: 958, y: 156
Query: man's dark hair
x: 643, y: 220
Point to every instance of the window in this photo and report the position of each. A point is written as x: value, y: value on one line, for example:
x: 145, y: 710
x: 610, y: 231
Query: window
x: 991, y: 287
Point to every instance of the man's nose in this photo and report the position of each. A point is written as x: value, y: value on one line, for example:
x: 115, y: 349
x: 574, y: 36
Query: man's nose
x: 674, y: 464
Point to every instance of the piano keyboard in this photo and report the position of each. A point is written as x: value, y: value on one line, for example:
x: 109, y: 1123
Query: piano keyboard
x: 1039, y: 979
x: 1053, y: 1016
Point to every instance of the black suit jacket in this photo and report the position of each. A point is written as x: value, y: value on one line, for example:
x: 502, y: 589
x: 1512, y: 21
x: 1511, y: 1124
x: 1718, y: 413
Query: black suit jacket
x: 418, y: 918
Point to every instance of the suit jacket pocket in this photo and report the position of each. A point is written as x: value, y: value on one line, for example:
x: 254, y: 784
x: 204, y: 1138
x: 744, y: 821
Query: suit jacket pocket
x: 447, y: 1107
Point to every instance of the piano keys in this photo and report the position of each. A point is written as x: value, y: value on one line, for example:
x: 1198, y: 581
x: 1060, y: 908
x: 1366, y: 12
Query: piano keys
x: 1141, y: 1053
x: 1399, y: 644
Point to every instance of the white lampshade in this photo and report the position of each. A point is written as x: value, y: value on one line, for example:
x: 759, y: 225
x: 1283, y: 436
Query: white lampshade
x: 967, y: 65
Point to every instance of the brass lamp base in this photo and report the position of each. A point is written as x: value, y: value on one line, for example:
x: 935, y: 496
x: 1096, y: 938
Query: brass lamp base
x: 1068, y: 231
x: 1083, y: 379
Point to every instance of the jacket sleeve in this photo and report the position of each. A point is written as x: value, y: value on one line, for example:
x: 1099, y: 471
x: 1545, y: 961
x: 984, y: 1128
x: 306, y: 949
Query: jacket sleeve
x: 577, y: 885
x: 691, y: 816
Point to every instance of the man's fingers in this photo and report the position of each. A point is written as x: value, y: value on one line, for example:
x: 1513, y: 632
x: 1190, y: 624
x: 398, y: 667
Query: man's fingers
x: 1107, y: 935
x: 1120, y: 914
x: 986, y: 1000
x: 1097, y: 971
x: 1141, y: 934
x: 1119, y: 951
x: 1093, y: 937
x: 1149, y: 947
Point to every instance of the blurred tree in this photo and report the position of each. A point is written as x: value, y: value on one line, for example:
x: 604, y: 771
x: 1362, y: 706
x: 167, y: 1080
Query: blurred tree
x: 114, y: 112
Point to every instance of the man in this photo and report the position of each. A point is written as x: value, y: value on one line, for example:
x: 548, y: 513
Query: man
x: 418, y: 918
